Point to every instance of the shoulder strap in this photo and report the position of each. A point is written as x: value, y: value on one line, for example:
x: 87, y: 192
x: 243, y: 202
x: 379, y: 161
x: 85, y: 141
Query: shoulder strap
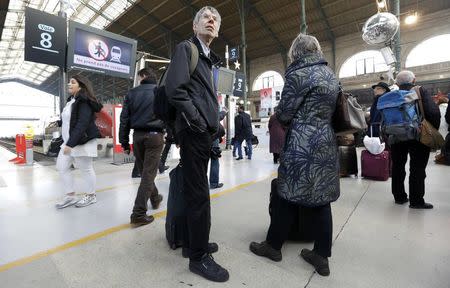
x: 422, y: 111
x: 194, y: 58
x: 192, y: 66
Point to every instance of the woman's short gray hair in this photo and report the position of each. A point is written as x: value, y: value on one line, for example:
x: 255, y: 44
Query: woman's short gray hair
x: 210, y: 8
x: 303, y: 44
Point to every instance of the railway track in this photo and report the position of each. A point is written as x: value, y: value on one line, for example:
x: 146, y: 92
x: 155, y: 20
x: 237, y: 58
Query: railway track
x: 38, y: 156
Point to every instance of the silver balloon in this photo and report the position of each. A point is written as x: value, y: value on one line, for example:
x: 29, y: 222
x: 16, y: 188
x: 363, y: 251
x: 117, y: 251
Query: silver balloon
x: 380, y: 28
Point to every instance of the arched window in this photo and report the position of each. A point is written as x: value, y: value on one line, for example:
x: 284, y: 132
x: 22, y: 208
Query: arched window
x: 268, y: 79
x: 433, y: 50
x: 370, y: 61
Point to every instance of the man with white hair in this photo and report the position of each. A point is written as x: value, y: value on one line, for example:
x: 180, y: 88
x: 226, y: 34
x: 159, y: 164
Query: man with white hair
x: 418, y: 152
x: 197, y: 120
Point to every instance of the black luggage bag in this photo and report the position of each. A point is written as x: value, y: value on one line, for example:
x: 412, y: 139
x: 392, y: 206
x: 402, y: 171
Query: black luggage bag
x: 302, y: 228
x: 348, y: 161
x: 176, y: 225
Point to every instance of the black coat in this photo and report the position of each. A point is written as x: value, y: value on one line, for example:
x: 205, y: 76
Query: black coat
x: 447, y: 116
x: 137, y: 112
x: 82, y: 121
x: 242, y: 126
x: 194, y: 95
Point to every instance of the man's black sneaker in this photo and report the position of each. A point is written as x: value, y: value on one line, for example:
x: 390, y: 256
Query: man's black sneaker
x: 140, y: 221
x: 320, y: 263
x: 239, y: 158
x: 265, y: 250
x: 212, y: 248
x: 215, y: 186
x: 401, y: 201
x: 421, y: 206
x: 209, y: 269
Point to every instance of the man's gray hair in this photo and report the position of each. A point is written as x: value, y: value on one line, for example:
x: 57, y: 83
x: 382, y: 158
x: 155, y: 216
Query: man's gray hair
x: 201, y: 11
x: 405, y: 77
x: 303, y: 44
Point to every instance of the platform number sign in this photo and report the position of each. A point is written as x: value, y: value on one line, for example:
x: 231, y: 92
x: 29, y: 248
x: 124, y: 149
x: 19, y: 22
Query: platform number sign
x: 239, y: 85
x: 45, y: 38
x: 234, y: 53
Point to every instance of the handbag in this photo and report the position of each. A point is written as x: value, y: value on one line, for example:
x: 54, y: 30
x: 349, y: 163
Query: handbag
x: 429, y: 136
x: 348, y: 116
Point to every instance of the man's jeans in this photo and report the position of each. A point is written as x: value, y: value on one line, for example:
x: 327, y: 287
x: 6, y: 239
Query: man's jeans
x: 214, y: 168
x: 248, y: 143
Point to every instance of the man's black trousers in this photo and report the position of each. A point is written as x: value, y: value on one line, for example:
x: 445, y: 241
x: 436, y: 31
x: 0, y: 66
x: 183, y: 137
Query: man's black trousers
x: 418, y: 154
x: 194, y: 151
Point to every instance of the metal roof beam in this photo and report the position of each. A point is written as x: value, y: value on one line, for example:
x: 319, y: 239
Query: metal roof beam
x: 262, y: 21
x: 112, y: 22
x: 330, y: 33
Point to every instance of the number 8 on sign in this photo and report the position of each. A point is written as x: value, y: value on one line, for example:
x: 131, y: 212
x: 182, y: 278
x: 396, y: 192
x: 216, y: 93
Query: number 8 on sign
x: 46, y: 40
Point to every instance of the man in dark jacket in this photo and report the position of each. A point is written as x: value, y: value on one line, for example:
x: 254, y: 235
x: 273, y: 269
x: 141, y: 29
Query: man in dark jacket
x: 137, y: 114
x: 216, y: 154
x: 243, y: 131
x: 197, y: 120
x: 418, y: 152
x: 375, y: 115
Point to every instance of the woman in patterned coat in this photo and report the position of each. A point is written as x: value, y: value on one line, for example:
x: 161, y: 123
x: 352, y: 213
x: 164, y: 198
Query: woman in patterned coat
x: 308, y: 175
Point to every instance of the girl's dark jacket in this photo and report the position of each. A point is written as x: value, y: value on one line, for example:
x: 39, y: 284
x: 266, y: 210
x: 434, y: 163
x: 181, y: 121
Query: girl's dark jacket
x: 82, y: 120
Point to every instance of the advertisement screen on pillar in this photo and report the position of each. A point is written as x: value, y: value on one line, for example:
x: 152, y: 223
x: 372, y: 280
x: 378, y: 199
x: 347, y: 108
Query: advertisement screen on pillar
x: 100, y: 51
x: 266, y: 102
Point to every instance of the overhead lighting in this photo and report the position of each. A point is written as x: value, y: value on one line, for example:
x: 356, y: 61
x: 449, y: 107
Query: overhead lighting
x: 157, y: 60
x: 411, y: 18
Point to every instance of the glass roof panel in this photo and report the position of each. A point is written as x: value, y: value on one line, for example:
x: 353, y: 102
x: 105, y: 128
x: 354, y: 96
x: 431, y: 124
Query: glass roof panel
x: 11, y: 44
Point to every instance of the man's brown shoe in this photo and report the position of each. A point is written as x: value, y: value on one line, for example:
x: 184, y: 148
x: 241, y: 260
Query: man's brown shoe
x: 141, y: 221
x: 155, y: 202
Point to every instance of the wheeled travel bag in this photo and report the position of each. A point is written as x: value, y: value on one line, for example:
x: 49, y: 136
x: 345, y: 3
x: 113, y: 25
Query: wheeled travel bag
x: 301, y: 229
x: 348, y: 162
x: 176, y: 226
x: 375, y: 167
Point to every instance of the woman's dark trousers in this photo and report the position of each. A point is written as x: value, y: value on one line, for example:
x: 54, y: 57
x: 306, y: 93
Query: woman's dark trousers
x: 283, y: 218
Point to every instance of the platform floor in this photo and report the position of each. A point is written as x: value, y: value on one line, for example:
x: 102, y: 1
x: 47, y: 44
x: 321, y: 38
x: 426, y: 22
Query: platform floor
x: 376, y: 243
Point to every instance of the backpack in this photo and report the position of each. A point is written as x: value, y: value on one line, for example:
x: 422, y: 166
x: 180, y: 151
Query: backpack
x: 400, y: 115
x: 162, y: 109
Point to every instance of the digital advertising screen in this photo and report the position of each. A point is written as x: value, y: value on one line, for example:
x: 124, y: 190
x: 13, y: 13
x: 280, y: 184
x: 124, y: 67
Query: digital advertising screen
x: 100, y: 51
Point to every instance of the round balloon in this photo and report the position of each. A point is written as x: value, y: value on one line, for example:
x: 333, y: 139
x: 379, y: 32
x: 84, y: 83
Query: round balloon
x: 380, y: 28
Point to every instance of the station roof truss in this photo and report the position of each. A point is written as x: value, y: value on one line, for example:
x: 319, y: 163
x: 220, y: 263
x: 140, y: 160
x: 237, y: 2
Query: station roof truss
x: 158, y: 25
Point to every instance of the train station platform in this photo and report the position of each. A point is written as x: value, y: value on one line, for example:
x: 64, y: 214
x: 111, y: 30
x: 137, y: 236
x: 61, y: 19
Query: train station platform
x: 377, y: 244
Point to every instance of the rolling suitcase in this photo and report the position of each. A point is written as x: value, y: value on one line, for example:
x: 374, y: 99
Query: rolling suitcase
x: 301, y: 229
x: 348, y: 162
x: 176, y: 225
x: 375, y: 167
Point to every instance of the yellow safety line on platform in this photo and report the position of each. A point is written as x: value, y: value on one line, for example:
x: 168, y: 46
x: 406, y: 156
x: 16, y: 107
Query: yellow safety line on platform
x: 109, y: 231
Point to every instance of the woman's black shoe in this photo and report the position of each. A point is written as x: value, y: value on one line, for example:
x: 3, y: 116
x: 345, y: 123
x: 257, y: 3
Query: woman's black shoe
x: 320, y: 263
x: 265, y: 250
x: 421, y: 206
x: 209, y: 269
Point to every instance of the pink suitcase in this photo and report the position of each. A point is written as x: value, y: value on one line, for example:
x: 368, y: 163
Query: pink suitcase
x: 375, y: 167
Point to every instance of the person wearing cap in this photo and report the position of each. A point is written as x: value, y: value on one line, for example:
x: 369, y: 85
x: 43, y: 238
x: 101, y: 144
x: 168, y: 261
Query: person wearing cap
x: 379, y: 89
